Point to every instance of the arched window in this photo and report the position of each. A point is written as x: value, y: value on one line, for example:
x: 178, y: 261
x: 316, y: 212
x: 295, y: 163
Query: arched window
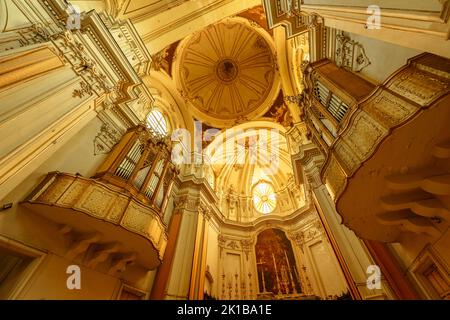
x: 157, y: 122
x: 264, y: 198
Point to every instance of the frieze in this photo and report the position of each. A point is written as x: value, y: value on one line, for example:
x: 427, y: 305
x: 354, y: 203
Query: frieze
x: 388, y: 109
x: 364, y: 134
x: 419, y: 86
x: 349, y: 160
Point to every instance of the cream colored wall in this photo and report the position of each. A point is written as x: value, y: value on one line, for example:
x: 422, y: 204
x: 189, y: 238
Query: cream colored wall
x: 325, y: 268
x: 38, y: 116
x: 385, y: 57
x: 172, y: 25
x: 316, y: 254
x: 23, y: 226
x: 49, y: 283
x: 74, y: 156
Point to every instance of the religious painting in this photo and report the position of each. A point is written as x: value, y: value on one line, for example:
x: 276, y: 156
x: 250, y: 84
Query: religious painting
x: 277, y: 269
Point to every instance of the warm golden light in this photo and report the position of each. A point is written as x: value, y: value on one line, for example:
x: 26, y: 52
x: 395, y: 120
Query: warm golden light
x: 264, y: 198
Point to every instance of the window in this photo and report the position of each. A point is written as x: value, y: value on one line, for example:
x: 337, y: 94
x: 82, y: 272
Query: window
x: 264, y: 198
x: 157, y: 122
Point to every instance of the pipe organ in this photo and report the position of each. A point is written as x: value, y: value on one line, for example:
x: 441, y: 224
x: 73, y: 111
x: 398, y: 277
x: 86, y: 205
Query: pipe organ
x: 141, y: 163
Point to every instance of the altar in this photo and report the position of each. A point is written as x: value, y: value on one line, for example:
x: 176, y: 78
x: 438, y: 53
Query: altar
x: 272, y: 296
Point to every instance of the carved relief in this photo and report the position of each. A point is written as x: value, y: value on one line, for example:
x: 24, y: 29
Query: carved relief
x: 299, y: 238
x: 55, y: 190
x: 313, y: 231
x: 94, y: 199
x: 222, y: 241
x: 418, y: 86
x: 96, y: 202
x: 84, y: 90
x: 73, y: 193
x: 187, y: 203
x: 388, y: 109
x: 334, y: 177
x: 106, y: 139
x: 233, y: 245
x: 364, y: 134
x: 118, y: 207
x: 246, y: 245
x: 350, y: 54
x: 349, y: 160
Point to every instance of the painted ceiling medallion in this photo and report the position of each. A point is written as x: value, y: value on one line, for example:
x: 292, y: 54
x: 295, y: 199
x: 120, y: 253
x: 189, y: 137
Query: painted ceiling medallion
x: 227, y: 71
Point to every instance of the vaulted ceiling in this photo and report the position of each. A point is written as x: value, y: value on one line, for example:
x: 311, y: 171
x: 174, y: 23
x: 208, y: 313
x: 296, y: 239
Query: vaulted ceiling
x: 249, y: 153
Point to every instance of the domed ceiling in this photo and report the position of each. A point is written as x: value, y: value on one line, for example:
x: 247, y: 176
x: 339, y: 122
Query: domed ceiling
x: 227, y: 72
x: 246, y: 155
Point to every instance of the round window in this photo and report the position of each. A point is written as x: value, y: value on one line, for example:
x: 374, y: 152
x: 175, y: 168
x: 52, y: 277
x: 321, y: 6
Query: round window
x: 264, y: 198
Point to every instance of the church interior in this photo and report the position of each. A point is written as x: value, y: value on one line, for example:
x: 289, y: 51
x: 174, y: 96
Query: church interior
x: 224, y: 150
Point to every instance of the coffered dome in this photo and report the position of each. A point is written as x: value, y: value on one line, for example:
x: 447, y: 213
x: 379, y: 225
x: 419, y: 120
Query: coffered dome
x: 227, y: 72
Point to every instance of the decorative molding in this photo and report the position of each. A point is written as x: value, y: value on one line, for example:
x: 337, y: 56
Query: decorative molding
x: 85, y: 90
x: 350, y: 54
x: 94, y: 201
x: 106, y: 139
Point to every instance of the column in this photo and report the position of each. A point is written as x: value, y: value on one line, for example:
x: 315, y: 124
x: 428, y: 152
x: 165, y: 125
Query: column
x: 348, y: 247
x: 196, y: 289
x: 179, y: 282
x: 162, y: 276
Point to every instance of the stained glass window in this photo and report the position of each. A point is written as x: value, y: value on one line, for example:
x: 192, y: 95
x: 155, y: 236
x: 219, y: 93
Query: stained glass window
x: 264, y: 198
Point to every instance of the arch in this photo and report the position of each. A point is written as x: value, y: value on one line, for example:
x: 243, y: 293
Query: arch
x: 157, y: 120
x: 169, y: 99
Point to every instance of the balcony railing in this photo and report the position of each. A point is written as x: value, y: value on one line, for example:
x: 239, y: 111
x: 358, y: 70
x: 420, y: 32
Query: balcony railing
x: 89, y: 205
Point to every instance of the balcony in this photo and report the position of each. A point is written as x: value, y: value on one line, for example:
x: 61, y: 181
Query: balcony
x: 116, y: 221
x: 388, y: 170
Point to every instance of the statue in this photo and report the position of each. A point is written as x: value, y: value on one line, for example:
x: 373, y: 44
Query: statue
x: 232, y: 203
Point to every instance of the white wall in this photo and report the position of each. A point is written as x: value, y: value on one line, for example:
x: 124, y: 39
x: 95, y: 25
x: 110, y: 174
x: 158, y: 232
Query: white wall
x: 385, y: 58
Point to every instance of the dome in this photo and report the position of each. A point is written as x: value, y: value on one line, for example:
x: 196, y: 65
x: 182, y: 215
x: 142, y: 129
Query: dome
x: 227, y: 72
